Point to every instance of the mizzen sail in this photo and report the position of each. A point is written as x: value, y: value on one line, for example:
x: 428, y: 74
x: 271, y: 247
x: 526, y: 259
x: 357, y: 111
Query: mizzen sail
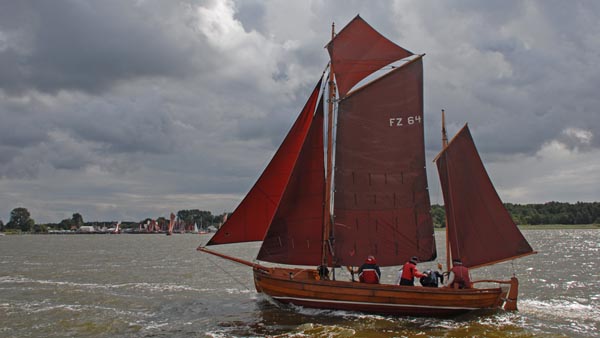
x: 477, y: 220
x: 251, y: 219
x: 381, y: 201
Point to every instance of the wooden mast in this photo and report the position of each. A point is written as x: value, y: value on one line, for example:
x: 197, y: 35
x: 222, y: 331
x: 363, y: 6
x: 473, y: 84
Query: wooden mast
x: 327, y: 221
x: 444, y: 145
x: 444, y: 135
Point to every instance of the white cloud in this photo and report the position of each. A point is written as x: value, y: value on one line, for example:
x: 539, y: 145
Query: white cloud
x: 582, y: 136
x: 556, y: 172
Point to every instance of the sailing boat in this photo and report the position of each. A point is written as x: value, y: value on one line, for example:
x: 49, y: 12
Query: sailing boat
x: 171, y: 224
x: 369, y: 195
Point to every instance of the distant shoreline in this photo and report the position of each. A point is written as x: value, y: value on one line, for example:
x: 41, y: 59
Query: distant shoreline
x: 560, y: 227
x: 521, y: 227
x: 553, y: 227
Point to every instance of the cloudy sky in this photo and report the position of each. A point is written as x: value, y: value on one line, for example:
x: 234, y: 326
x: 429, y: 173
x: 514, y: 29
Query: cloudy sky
x: 122, y: 110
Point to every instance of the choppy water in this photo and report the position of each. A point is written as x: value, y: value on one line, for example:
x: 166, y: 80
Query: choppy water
x: 159, y: 286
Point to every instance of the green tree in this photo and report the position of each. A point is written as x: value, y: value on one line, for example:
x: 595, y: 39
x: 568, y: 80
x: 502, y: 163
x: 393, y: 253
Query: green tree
x: 65, y: 224
x: 20, y: 219
x: 201, y: 218
x: 77, y: 220
x: 40, y: 228
x: 1, y: 225
x: 438, y: 215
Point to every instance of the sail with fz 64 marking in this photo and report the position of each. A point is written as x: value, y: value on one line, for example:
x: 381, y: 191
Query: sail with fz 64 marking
x: 381, y: 199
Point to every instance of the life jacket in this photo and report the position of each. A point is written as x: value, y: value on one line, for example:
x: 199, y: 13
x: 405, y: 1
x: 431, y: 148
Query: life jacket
x: 409, y: 271
x: 461, y: 277
x: 369, y: 272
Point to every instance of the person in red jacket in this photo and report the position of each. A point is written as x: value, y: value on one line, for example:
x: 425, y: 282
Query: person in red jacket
x: 369, y: 272
x: 409, y: 271
x: 459, y: 276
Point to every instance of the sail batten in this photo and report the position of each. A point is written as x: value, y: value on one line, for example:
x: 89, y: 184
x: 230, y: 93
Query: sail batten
x: 477, y: 219
x: 390, y: 72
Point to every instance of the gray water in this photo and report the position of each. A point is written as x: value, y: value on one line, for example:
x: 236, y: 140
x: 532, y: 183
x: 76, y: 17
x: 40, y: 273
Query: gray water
x: 160, y: 286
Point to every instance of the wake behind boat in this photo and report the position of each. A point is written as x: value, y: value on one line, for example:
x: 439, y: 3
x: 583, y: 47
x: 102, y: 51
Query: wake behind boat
x: 313, y: 206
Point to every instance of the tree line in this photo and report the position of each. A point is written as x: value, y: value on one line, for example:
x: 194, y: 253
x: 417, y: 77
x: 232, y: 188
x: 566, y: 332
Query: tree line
x: 539, y: 214
x: 522, y: 214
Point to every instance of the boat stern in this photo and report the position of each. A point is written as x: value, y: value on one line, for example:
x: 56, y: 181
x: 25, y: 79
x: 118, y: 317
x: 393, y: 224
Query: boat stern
x: 510, y: 301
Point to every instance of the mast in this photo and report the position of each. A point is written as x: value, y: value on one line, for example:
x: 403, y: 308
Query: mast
x: 327, y: 235
x: 444, y: 135
x: 444, y: 145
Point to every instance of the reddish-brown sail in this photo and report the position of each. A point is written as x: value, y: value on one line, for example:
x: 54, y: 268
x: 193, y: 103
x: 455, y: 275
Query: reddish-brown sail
x: 295, y: 235
x: 251, y: 219
x: 480, y: 229
x: 171, y: 223
x: 359, y: 50
x: 381, y: 201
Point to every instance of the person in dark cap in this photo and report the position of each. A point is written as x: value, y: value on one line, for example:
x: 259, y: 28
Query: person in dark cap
x: 459, y: 276
x: 406, y: 276
x: 369, y: 272
x: 432, y: 278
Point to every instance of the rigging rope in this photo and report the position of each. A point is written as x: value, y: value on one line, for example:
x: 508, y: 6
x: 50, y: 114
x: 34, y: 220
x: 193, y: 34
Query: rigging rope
x: 228, y: 274
x: 512, y: 264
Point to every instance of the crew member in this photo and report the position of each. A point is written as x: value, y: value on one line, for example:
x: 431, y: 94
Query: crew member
x: 409, y: 271
x: 459, y: 276
x: 323, y: 272
x: 369, y: 272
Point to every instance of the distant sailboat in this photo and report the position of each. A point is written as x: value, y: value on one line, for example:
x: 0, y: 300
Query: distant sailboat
x: 116, y: 229
x: 316, y: 207
x: 171, y: 224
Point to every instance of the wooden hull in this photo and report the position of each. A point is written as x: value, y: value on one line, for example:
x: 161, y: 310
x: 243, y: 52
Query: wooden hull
x: 302, y: 287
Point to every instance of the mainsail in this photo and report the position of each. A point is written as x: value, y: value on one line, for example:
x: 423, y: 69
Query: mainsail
x: 477, y: 219
x: 381, y: 199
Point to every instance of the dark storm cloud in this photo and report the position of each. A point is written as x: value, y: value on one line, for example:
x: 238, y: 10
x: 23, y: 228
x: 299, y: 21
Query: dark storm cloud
x: 525, y: 68
x: 129, y: 109
x: 87, y: 46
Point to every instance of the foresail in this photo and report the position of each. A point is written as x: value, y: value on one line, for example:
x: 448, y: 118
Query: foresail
x: 359, y: 50
x: 251, y: 219
x: 381, y: 202
x: 480, y: 229
x: 296, y: 232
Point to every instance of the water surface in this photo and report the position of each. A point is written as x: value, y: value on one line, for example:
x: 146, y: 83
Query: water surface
x: 159, y: 286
